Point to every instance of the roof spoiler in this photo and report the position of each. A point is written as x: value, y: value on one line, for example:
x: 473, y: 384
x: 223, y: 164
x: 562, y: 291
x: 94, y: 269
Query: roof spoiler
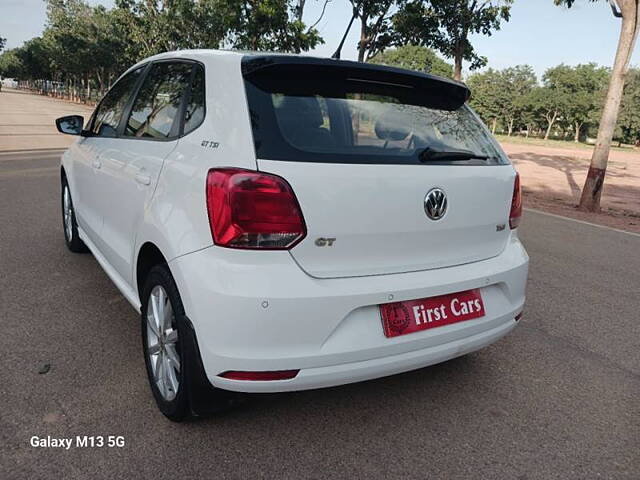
x: 442, y: 93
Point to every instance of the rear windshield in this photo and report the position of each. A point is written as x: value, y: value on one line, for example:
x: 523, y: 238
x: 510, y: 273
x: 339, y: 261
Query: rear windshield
x: 335, y: 118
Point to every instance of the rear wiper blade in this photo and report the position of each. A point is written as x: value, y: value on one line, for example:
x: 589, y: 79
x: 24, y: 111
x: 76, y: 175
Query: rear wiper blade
x: 429, y: 154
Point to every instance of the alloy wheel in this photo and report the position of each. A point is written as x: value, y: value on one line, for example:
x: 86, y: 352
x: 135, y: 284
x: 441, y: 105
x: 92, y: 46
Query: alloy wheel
x: 67, y: 213
x: 162, y: 342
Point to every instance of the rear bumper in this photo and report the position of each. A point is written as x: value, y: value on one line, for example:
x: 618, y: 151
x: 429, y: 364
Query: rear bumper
x: 341, y: 374
x: 258, y: 311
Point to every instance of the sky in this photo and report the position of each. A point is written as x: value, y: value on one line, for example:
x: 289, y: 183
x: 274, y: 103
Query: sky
x: 539, y: 33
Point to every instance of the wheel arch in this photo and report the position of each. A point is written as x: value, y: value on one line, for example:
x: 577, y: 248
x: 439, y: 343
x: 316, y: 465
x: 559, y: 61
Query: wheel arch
x: 149, y: 255
x: 66, y: 171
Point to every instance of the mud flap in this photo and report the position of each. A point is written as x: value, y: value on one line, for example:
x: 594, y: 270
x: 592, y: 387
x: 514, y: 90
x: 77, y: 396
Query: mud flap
x: 204, y: 398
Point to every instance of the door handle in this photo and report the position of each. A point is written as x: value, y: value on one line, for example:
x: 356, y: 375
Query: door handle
x: 97, y: 164
x: 143, y: 178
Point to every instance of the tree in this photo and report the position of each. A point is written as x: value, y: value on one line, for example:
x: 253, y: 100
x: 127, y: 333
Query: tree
x: 270, y: 25
x: 298, y: 10
x: 629, y: 12
x: 446, y: 25
x: 85, y: 47
x: 499, y: 95
x: 417, y: 58
x: 557, y: 86
x: 542, y: 106
x: 3, y: 42
x: 10, y: 64
x: 529, y: 118
x: 580, y: 89
x: 515, y: 84
x: 85, y: 42
x: 629, y: 117
x: 159, y: 26
x: 586, y: 99
x: 488, y: 96
x: 375, y: 27
x: 34, y: 58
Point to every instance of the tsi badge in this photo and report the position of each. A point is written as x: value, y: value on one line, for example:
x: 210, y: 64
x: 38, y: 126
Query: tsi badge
x: 435, y: 204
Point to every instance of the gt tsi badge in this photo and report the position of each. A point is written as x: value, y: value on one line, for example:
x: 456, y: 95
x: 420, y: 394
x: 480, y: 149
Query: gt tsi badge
x: 435, y: 204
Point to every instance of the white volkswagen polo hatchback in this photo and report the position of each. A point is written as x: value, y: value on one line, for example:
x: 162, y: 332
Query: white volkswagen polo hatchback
x: 286, y: 223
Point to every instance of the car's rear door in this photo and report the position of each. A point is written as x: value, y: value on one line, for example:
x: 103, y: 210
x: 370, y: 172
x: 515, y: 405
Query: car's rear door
x: 150, y: 131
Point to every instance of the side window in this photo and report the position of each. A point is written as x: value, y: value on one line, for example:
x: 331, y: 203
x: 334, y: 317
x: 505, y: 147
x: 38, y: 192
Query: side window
x: 194, y: 112
x: 107, y: 116
x: 155, y: 109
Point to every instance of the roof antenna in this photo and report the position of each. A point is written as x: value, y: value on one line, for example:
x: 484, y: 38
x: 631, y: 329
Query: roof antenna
x: 336, y: 54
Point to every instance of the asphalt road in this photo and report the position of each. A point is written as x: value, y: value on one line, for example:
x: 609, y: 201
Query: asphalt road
x: 557, y: 398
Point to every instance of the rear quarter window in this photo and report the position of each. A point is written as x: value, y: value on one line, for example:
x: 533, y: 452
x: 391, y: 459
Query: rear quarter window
x: 195, y: 108
x: 155, y: 110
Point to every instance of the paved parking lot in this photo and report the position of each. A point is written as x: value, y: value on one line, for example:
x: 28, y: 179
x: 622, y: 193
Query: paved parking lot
x: 557, y: 398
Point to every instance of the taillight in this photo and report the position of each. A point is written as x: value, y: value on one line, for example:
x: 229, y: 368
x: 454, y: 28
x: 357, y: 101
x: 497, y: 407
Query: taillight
x: 252, y: 210
x: 260, y: 376
x: 516, y: 204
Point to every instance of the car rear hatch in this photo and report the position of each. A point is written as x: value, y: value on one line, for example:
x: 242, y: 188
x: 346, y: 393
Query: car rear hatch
x: 392, y: 170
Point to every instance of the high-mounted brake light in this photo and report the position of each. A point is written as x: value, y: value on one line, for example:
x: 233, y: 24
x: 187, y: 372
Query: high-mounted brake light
x: 516, y: 204
x: 253, y: 210
x: 260, y: 376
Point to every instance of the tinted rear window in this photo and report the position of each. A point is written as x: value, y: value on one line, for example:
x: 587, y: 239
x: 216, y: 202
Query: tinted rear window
x: 301, y: 114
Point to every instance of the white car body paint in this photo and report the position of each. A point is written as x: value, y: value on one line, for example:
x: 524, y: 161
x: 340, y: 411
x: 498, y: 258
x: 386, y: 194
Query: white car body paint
x: 310, y: 308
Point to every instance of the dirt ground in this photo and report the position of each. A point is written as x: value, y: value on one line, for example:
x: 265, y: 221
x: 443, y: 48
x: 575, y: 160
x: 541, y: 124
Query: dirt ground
x: 552, y: 180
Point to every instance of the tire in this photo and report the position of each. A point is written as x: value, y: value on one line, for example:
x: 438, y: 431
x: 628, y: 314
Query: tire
x: 193, y: 396
x: 69, y: 223
x: 166, y: 369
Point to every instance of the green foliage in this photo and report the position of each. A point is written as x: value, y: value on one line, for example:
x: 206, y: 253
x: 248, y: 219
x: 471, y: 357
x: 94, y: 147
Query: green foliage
x: 160, y: 26
x: 487, y: 96
x: 85, y: 41
x: 10, y: 64
x: 540, y: 109
x: 90, y: 46
x: 33, y: 58
x: 95, y: 44
x: 516, y: 83
x: 502, y: 95
x: 569, y: 100
x: 164, y: 25
x: 375, y: 26
x: 3, y: 42
x: 579, y: 93
x: 376, y: 31
x: 413, y: 57
x: 629, y: 117
x: 446, y: 25
x: 269, y: 25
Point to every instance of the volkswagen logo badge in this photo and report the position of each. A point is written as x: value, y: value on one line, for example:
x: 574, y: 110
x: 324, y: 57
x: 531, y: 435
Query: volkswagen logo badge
x: 435, y: 203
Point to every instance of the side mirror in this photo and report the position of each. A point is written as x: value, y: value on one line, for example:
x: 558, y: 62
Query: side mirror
x: 71, y: 124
